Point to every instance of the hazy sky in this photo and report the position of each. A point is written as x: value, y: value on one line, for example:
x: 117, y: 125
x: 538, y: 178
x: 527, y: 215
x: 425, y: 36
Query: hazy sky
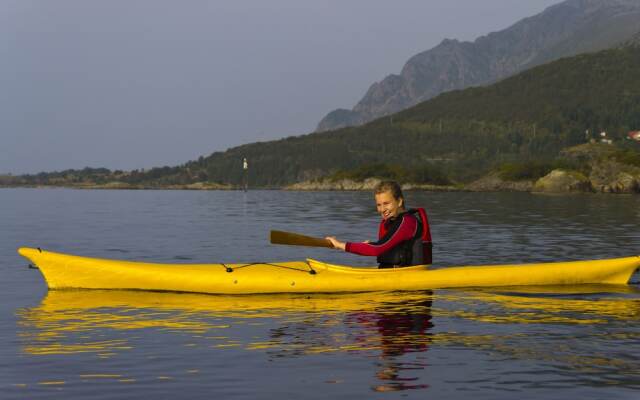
x: 127, y: 84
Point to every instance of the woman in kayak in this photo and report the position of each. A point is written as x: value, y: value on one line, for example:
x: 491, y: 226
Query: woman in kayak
x: 404, y: 237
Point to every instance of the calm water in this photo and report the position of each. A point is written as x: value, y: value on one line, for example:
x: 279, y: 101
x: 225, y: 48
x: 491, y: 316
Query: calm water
x: 498, y: 344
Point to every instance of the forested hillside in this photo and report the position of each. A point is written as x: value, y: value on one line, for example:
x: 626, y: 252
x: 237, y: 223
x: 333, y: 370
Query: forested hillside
x: 464, y: 133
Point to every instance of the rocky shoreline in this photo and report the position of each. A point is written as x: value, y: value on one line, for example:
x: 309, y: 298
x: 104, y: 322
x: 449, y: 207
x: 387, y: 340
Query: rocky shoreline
x: 367, y: 184
x: 609, y: 177
x: 606, y: 179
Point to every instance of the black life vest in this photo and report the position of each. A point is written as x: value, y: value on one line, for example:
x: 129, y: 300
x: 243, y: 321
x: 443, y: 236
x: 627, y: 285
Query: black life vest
x: 417, y: 251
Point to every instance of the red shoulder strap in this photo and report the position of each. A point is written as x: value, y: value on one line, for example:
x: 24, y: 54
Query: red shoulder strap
x: 382, y: 230
x: 426, y: 230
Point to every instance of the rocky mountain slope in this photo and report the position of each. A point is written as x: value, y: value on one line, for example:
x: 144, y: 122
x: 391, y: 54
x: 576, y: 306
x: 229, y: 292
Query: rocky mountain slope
x: 569, y: 28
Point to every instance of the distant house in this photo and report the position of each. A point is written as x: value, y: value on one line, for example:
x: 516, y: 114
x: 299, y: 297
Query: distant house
x: 634, y: 135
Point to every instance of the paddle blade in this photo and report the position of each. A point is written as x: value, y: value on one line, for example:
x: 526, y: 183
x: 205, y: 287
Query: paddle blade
x: 295, y: 239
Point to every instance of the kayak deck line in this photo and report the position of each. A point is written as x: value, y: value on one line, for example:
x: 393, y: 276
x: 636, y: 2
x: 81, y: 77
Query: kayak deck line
x: 240, y: 266
x: 65, y: 271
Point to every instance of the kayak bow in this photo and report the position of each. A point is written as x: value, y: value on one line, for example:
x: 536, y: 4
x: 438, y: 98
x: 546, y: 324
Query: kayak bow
x: 63, y: 271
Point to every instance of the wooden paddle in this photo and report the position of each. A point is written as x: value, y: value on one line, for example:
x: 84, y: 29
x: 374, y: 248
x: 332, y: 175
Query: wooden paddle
x: 295, y: 239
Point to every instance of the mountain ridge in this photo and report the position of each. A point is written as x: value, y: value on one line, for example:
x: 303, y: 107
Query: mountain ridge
x: 565, y: 29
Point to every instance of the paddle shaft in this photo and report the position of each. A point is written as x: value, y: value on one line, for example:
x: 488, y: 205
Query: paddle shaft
x: 295, y: 239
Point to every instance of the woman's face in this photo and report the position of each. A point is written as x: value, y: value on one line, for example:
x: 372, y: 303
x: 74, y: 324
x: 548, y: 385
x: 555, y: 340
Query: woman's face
x: 388, y: 206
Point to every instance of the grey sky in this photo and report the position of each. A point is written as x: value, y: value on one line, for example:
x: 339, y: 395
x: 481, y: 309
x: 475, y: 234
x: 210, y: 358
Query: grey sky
x: 127, y: 84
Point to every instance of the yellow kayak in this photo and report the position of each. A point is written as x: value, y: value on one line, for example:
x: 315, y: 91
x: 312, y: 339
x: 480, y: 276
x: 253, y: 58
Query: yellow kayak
x: 63, y: 271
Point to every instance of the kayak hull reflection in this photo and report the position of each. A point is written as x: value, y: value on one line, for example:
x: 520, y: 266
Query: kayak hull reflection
x: 64, y: 271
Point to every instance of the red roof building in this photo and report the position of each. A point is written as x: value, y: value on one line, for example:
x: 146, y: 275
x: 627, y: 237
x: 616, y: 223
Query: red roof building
x: 635, y: 135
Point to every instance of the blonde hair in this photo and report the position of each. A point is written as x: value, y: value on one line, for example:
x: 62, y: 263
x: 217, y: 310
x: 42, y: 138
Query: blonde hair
x: 389, y: 186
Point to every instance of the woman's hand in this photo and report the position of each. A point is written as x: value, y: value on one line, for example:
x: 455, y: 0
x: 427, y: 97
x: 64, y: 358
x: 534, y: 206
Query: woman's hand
x: 336, y: 243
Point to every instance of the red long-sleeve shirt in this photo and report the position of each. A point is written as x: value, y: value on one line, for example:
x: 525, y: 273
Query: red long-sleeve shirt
x: 387, y: 239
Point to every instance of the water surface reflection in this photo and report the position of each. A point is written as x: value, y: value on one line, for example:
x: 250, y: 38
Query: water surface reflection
x: 394, y: 331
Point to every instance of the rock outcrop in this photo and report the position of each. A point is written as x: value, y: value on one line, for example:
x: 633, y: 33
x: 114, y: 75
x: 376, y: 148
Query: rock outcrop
x: 328, y: 184
x: 613, y: 177
x: 562, y: 181
x: 623, y: 183
x: 493, y: 183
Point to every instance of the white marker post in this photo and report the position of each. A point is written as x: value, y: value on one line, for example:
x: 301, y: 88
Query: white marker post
x: 245, y: 174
